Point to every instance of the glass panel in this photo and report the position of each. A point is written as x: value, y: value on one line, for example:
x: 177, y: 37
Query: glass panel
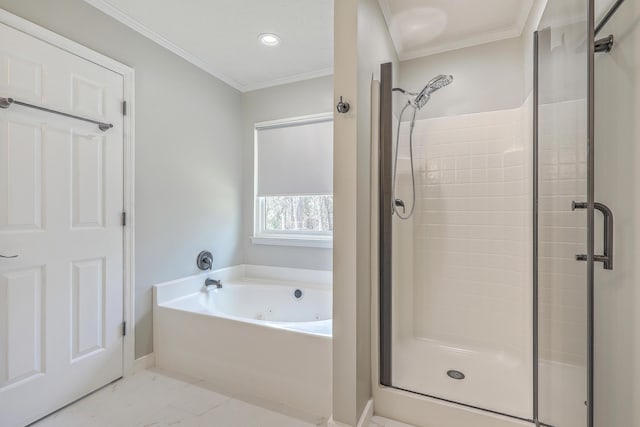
x: 562, y: 233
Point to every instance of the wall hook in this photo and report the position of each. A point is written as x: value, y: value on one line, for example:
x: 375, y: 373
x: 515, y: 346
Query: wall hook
x: 343, y: 107
x: 604, y: 44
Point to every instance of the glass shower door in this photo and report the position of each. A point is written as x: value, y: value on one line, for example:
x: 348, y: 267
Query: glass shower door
x: 564, y: 215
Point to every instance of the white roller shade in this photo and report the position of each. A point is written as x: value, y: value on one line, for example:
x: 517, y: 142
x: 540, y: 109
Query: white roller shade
x: 295, y: 159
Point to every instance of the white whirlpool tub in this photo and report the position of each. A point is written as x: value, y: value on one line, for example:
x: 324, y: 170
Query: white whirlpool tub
x: 265, y: 334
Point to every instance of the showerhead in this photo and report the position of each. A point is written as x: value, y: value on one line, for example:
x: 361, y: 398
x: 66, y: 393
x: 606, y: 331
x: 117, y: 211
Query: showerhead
x: 438, y: 82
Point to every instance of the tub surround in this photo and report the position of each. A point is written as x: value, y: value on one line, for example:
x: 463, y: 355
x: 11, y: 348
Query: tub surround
x: 280, y: 354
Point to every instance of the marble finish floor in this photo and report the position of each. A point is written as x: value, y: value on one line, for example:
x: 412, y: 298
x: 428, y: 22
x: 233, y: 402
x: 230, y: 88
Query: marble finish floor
x: 154, y: 398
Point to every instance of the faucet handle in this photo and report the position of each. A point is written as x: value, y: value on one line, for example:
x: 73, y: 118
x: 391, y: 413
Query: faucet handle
x: 205, y: 260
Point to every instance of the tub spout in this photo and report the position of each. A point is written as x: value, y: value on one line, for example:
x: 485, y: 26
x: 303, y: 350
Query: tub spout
x: 211, y: 283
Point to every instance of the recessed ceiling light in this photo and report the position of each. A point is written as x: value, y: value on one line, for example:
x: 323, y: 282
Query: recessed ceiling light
x: 269, y: 39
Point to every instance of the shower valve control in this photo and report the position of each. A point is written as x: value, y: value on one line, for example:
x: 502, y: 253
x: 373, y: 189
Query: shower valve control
x: 205, y: 261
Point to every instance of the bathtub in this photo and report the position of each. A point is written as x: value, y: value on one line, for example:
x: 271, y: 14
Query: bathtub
x: 265, y: 334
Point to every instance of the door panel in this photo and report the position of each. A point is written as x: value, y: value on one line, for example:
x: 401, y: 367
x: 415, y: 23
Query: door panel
x: 88, y: 182
x: 87, y: 301
x: 21, y: 302
x: 88, y: 97
x: 22, y: 76
x: 61, y: 200
x: 21, y: 158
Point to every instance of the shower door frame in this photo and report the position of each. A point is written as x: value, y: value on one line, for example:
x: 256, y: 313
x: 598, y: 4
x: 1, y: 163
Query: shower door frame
x: 385, y: 221
x: 591, y: 116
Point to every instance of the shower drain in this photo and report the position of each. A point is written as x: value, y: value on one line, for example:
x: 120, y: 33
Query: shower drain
x: 456, y: 375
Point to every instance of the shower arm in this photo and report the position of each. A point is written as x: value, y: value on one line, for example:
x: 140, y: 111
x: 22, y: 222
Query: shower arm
x: 399, y: 89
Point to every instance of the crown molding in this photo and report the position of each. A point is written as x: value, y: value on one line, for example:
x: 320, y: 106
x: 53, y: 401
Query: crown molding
x: 125, y: 19
x: 204, y: 65
x: 289, y: 79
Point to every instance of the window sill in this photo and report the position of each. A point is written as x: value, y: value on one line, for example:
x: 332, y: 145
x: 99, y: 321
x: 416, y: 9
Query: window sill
x: 299, y: 241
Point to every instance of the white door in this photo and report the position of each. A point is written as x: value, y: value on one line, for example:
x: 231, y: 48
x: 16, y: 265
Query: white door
x: 61, y: 199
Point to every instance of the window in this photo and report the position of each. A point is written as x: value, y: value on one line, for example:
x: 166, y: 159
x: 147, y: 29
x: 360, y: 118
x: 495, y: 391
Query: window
x: 294, y: 182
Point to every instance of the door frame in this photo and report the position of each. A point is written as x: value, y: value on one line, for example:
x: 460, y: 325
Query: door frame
x: 128, y: 75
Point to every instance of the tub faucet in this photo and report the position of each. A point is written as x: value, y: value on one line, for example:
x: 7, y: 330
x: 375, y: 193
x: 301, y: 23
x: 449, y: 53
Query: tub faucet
x: 212, y: 283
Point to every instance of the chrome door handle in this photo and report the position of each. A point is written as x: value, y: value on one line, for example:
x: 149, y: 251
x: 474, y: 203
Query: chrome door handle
x: 607, y: 257
x: 10, y: 256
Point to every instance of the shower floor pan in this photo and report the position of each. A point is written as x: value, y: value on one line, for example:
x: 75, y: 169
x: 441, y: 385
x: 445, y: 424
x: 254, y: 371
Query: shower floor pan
x: 497, y: 382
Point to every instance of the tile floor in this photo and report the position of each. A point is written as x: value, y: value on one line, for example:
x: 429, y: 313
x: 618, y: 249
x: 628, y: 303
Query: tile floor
x: 154, y: 398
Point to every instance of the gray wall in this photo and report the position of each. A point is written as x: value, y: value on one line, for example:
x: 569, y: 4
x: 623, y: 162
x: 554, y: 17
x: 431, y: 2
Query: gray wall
x: 280, y: 102
x: 189, y: 151
x: 617, y: 184
x: 487, y: 77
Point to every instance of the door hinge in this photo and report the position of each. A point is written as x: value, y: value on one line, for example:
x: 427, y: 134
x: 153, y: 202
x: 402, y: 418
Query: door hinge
x: 124, y: 219
x: 124, y: 108
x: 124, y: 329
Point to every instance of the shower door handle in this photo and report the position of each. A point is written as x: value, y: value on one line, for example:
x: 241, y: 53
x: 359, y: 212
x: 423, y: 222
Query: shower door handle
x: 607, y: 257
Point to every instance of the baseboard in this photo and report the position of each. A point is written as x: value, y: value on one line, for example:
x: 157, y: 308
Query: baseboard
x: 144, y: 362
x: 363, y: 421
x: 367, y: 414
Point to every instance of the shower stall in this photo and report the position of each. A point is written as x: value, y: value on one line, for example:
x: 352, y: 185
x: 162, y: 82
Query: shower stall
x: 490, y: 237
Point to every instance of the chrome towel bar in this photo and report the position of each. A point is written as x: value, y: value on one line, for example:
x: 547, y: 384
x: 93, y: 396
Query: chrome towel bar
x: 8, y: 102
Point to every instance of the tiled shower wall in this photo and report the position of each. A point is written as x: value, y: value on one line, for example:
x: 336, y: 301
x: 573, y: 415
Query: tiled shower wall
x: 472, y: 230
x: 471, y: 235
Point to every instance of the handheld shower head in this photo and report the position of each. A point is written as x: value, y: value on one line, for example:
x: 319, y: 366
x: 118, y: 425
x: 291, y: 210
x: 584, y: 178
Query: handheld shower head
x: 438, y: 82
x: 417, y: 101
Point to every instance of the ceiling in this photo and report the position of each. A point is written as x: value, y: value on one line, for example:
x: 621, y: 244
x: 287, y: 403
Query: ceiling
x: 425, y: 27
x: 221, y: 36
